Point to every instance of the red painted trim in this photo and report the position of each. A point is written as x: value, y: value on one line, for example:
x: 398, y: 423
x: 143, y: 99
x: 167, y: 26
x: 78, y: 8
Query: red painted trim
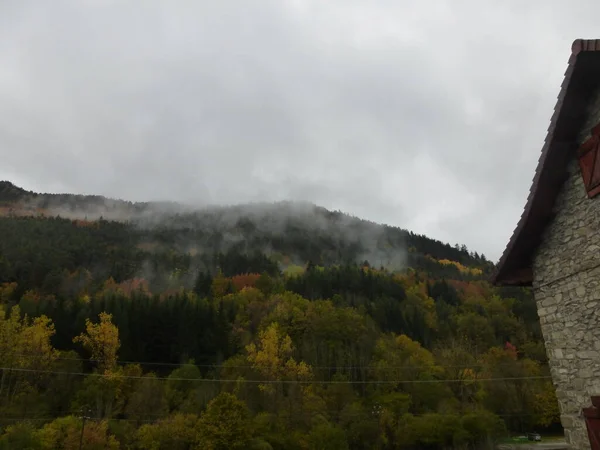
x: 586, y: 167
x: 591, y: 415
x: 594, y: 192
x: 589, y: 144
x: 589, y: 159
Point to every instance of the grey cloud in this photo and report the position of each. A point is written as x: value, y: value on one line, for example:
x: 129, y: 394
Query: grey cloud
x: 425, y: 116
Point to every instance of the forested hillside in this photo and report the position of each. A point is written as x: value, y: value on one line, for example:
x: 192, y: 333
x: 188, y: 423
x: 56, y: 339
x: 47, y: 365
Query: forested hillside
x: 266, y: 326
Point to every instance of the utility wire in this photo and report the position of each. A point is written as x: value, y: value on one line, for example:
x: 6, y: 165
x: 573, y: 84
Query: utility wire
x: 56, y: 414
x: 165, y: 417
x: 242, y: 380
x: 248, y: 366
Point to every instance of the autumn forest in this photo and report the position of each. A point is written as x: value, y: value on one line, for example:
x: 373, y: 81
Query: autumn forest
x: 266, y: 326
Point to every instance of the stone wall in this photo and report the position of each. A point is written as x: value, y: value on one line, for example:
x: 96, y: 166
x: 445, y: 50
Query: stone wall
x: 567, y: 291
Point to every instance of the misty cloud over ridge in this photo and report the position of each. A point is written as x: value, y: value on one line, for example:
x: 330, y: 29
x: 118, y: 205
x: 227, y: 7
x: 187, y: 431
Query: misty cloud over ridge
x: 247, y: 227
x: 425, y: 116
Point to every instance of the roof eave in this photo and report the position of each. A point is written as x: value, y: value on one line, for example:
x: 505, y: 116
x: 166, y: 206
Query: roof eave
x: 515, y: 264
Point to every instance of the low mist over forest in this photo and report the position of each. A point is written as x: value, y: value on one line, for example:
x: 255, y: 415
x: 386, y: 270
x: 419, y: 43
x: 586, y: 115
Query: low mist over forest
x: 260, y: 326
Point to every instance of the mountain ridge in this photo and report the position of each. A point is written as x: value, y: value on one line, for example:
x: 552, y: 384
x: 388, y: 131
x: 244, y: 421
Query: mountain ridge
x: 266, y: 218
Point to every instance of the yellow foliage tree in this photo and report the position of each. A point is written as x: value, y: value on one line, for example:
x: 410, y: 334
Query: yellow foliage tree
x: 272, y: 357
x: 24, y: 344
x: 102, y: 341
x: 402, y: 360
x: 177, y: 432
x: 36, y: 349
x: 460, y: 267
x: 65, y: 433
x: 225, y: 424
x: 417, y: 296
x: 546, y: 405
x: 221, y: 285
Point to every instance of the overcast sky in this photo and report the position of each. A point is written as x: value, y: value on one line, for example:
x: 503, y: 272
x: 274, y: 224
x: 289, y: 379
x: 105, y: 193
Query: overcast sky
x: 425, y: 115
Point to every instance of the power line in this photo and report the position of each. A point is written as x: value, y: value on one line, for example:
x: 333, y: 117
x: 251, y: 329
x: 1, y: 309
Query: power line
x: 242, y: 380
x: 46, y: 419
x: 163, y: 417
x: 248, y: 366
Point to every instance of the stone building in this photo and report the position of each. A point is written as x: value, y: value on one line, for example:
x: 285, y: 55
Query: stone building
x: 555, y: 247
